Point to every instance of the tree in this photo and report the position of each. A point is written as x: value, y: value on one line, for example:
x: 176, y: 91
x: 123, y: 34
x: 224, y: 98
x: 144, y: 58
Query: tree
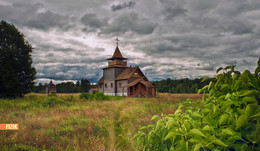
x: 16, y: 71
x: 85, y: 85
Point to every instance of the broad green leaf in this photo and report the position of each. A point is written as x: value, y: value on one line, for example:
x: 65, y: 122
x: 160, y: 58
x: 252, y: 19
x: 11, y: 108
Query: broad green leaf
x: 256, y: 115
x: 219, y: 142
x: 210, y: 84
x: 159, y: 124
x: 220, y: 68
x: 178, y: 111
x: 211, y: 92
x: 249, y: 99
x: 224, y: 87
x: 197, y: 147
x: 237, y: 84
x: 155, y: 117
x: 257, y: 70
x: 240, y: 121
x: 223, y: 119
x: 235, y: 137
x: 227, y: 131
x: 196, y: 115
x: 144, y: 128
x: 199, y: 91
x: 204, y: 98
x: 187, y: 125
x: 197, y: 132
x: 250, y: 108
x: 207, y: 128
x: 170, y: 135
x: 205, y: 87
x: 214, y: 109
x: 170, y: 124
x: 249, y: 93
x: 244, y: 147
x: 206, y: 111
x: 194, y: 140
x: 204, y: 79
x: 136, y: 135
x: 228, y: 96
x: 229, y: 67
x: 218, y: 82
x: 149, y: 136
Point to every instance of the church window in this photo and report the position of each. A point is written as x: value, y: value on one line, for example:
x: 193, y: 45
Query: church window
x: 120, y: 84
x: 112, y: 85
x: 105, y: 85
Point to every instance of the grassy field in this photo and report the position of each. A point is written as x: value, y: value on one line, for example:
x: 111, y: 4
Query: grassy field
x: 65, y: 122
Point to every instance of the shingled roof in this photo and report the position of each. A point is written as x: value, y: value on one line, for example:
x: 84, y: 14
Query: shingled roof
x: 133, y: 83
x: 117, y: 55
x: 101, y: 80
x: 148, y: 84
x: 126, y: 73
x: 141, y: 80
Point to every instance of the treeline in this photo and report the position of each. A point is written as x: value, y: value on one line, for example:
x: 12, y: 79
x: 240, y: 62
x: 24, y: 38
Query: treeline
x: 181, y: 86
x: 66, y: 87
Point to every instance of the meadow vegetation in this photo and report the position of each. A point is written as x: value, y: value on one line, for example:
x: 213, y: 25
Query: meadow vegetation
x: 227, y: 118
x: 80, y: 121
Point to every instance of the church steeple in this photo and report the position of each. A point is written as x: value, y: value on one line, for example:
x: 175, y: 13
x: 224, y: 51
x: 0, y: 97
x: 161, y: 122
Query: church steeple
x: 117, y: 55
x: 117, y: 58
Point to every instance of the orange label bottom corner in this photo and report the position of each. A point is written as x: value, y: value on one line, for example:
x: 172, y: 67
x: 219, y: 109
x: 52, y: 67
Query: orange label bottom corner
x: 9, y: 126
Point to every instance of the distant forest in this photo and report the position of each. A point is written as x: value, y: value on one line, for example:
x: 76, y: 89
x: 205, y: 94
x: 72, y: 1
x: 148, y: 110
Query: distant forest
x: 167, y: 85
x: 66, y: 87
x: 181, y: 85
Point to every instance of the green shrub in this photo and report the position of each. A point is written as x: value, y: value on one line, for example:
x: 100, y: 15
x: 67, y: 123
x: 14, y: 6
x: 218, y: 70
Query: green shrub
x: 100, y: 96
x: 83, y: 96
x: 86, y: 96
x: 227, y: 118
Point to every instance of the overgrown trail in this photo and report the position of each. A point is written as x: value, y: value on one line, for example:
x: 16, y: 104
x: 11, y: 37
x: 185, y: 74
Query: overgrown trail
x: 112, y: 136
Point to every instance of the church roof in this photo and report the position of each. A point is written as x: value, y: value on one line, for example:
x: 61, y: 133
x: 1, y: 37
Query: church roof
x: 101, y: 80
x: 117, y: 55
x: 133, y: 83
x: 127, y: 73
x: 141, y: 80
x: 147, y: 83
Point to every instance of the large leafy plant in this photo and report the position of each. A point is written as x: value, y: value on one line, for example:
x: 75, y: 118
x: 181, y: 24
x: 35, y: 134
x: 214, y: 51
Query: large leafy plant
x: 227, y: 118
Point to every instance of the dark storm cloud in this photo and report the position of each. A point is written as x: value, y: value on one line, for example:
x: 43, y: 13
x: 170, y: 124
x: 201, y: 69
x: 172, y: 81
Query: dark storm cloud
x: 92, y: 21
x: 166, y: 38
x: 29, y: 15
x: 124, y: 5
x: 130, y: 22
x: 172, y: 9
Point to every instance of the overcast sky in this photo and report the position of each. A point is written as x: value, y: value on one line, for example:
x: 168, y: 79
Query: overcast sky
x: 167, y: 38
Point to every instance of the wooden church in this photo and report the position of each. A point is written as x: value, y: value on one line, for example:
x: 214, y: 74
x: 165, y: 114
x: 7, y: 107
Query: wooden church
x: 122, y: 80
x: 50, y: 88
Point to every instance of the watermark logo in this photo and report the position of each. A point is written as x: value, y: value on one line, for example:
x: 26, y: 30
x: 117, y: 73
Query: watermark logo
x: 9, y: 126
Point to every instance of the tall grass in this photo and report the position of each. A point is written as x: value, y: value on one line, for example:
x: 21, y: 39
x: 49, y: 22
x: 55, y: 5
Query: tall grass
x: 66, y: 122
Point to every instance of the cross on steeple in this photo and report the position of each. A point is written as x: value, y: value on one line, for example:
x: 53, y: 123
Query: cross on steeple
x: 117, y: 40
